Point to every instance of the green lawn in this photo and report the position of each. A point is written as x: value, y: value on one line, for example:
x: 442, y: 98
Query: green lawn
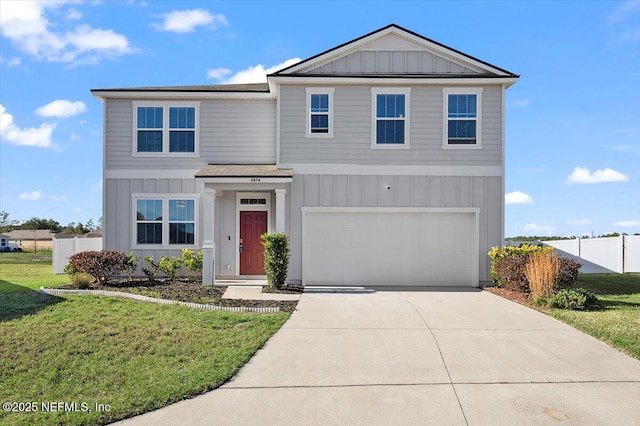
x: 618, y: 323
x: 20, y: 271
x: 129, y: 355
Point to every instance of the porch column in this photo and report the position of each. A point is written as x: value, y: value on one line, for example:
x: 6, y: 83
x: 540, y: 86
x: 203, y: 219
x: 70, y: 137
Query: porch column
x: 280, y: 198
x: 208, y: 245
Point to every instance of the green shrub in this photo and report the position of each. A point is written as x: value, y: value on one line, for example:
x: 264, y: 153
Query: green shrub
x: 192, y: 260
x: 276, y: 258
x: 82, y: 280
x: 170, y: 265
x: 574, y: 298
x: 151, y: 270
x: 100, y: 264
x: 130, y: 264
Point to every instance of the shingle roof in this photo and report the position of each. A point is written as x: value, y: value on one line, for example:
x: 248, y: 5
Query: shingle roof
x: 243, y: 170
x: 226, y: 88
x: 28, y: 234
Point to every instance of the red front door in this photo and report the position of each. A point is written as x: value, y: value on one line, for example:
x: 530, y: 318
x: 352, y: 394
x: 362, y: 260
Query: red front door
x: 252, y: 225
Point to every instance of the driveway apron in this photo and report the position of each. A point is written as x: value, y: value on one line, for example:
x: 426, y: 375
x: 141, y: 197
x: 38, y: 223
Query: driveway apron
x: 452, y: 356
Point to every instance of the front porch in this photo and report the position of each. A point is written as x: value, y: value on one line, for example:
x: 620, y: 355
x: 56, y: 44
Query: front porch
x: 241, y: 202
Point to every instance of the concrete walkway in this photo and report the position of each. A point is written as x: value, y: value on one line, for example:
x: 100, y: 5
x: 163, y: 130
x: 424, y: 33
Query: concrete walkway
x: 254, y: 292
x: 442, y: 357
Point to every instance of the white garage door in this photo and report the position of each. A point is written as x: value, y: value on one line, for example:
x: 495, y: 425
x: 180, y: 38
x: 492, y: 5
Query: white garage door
x: 390, y: 246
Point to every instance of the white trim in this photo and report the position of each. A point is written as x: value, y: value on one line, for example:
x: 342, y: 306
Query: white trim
x: 414, y: 81
x: 439, y: 50
x: 166, y: 130
x: 319, y: 91
x: 502, y: 153
x: 245, y: 180
x: 278, y: 115
x: 165, y: 197
x: 446, y: 91
x: 392, y: 170
x: 475, y: 238
x: 151, y: 173
x: 255, y: 207
x: 406, y: 91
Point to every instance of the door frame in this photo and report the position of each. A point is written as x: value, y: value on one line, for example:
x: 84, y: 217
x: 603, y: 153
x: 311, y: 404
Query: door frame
x: 250, y: 207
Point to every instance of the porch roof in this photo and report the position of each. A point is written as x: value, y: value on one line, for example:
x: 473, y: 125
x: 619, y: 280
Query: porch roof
x: 243, y: 171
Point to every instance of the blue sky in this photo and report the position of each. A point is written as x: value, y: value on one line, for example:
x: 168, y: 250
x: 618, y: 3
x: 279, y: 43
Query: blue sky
x: 573, y: 119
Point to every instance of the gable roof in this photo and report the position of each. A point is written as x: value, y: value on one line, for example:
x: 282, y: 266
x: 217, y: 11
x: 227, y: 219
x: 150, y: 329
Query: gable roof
x: 483, y: 68
x: 31, y: 234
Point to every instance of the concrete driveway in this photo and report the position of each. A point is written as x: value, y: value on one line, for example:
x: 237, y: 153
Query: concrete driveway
x: 420, y: 356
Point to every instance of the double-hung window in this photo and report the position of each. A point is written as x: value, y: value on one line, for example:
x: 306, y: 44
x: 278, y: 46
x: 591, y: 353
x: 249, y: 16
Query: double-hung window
x: 166, y: 129
x: 164, y: 220
x: 462, y: 122
x: 319, y: 112
x: 390, y: 117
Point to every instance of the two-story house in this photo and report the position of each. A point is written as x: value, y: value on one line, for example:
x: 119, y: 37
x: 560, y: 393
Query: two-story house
x: 382, y: 159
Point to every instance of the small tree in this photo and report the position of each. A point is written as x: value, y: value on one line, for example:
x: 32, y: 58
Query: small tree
x: 151, y: 269
x: 192, y: 260
x: 130, y: 264
x: 276, y: 258
x: 170, y: 265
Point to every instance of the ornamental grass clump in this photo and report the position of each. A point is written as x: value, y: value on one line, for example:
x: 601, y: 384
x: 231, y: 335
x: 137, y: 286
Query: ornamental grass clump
x: 542, y: 274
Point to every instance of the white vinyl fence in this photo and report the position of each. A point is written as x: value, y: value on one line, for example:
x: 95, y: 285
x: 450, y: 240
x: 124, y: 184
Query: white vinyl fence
x: 64, y: 248
x: 599, y: 255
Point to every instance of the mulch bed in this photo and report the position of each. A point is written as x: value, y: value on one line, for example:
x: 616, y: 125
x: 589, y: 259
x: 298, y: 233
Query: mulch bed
x: 186, y: 291
x: 514, y: 296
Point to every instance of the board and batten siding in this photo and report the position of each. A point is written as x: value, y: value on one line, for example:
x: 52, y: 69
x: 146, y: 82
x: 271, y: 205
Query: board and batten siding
x: 391, y: 62
x: 230, y: 132
x: 118, y: 211
x: 353, y: 126
x: 483, y: 192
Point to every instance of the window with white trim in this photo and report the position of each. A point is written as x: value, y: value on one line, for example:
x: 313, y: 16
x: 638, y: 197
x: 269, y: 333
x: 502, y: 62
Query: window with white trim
x: 390, y: 113
x: 319, y: 112
x: 166, y: 221
x: 162, y: 129
x: 462, y: 118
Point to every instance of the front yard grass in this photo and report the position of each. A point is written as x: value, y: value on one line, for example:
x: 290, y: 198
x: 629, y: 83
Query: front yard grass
x: 618, y: 323
x: 128, y: 355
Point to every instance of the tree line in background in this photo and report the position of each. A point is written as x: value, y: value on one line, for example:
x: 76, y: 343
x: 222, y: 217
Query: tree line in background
x: 73, y: 228
x: 553, y: 238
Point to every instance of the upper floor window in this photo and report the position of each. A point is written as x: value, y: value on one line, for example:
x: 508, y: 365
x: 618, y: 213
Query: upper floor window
x: 390, y: 117
x: 165, y: 129
x: 462, y: 118
x: 319, y: 112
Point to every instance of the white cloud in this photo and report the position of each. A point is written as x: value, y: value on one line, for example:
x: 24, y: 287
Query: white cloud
x: 186, y: 21
x: 623, y: 22
x: 258, y: 73
x: 13, y: 62
x: 97, y: 186
x: 58, y: 197
x: 520, y: 103
x: 540, y: 228
x: 624, y: 11
x: 517, y: 197
x: 61, y: 108
x: 582, y: 175
x: 31, y: 136
x: 218, y: 73
x: 30, y: 196
x: 26, y: 24
x: 579, y: 222
x: 630, y: 149
x: 627, y: 223
x: 73, y: 14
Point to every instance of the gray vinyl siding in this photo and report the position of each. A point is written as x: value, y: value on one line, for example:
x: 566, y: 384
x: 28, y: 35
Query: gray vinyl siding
x: 481, y: 192
x: 387, y: 62
x: 353, y: 126
x: 230, y: 132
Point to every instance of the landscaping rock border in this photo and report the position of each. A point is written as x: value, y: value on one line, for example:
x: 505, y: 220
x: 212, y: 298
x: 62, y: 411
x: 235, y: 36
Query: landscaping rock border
x: 61, y: 292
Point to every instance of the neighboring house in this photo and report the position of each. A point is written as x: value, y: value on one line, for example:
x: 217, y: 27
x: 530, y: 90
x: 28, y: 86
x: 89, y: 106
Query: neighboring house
x: 32, y: 239
x: 5, y: 245
x: 382, y: 159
